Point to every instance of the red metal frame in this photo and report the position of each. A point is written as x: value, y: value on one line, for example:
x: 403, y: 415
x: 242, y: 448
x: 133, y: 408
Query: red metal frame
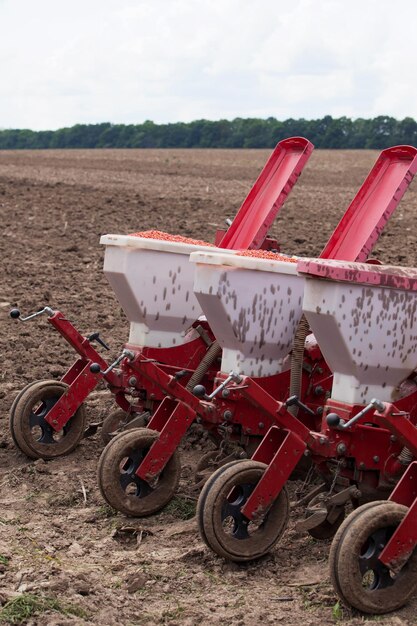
x: 287, y: 437
x: 81, y: 381
x: 404, y: 540
x: 289, y: 450
x: 169, y: 439
x: 79, y: 378
x: 250, y: 404
x: 324, y: 446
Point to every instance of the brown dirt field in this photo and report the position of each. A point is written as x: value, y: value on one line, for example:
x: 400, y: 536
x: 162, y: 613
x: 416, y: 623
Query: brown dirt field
x: 54, y: 207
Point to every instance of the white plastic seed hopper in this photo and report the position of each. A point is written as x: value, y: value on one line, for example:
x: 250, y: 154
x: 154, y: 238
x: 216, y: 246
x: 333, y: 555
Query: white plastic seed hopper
x: 365, y: 320
x: 153, y: 281
x: 253, y: 306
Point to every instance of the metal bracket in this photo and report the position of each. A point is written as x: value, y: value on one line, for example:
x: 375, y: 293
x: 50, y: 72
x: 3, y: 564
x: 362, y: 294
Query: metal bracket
x: 231, y: 378
x: 95, y: 367
x: 374, y: 404
x: 204, y: 335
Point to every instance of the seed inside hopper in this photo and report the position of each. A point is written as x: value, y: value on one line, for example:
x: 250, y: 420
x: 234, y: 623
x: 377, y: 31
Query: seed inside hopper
x: 161, y: 236
x: 267, y: 254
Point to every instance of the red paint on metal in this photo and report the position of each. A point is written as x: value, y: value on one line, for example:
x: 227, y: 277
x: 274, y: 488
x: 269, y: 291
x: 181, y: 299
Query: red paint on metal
x: 373, y: 205
x: 162, y: 414
x: 80, y: 343
x: 399, y: 425
x: 79, y: 377
x: 260, y: 208
x: 69, y: 402
x: 406, y: 490
x: 73, y: 371
x: 276, y: 475
x: 261, y: 399
x: 172, y: 387
x: 123, y: 403
x: 189, y: 354
x: 268, y: 194
x: 171, y: 434
x: 383, y: 275
x: 185, y: 356
x: 268, y: 243
x: 269, y: 445
x: 402, y: 543
x: 180, y: 407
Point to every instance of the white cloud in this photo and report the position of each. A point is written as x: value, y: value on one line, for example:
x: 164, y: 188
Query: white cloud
x: 169, y: 60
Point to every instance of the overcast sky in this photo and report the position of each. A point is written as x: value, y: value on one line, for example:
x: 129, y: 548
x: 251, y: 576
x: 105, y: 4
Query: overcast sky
x: 125, y: 61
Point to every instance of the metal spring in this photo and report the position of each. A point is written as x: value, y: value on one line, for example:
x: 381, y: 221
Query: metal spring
x: 406, y: 456
x: 208, y: 359
x: 297, y: 357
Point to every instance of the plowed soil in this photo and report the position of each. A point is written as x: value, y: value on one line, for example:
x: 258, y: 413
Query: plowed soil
x: 57, y: 537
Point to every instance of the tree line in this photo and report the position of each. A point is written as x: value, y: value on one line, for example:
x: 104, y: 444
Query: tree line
x: 328, y: 132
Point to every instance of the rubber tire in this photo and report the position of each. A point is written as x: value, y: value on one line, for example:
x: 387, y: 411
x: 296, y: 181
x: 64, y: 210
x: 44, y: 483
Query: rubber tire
x: 339, y: 535
x: 203, y: 496
x: 204, y: 464
x: 108, y: 474
x: 114, y: 421
x: 209, y: 513
x: 31, y: 395
x: 111, y: 424
x: 343, y: 560
x: 13, y: 408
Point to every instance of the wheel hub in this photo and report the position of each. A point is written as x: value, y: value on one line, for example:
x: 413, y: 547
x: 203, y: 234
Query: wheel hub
x: 233, y: 509
x: 37, y: 419
x: 129, y: 480
x: 369, y: 562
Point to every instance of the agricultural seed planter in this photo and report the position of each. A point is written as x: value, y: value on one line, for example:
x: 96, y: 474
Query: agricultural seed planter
x: 255, y: 327
x: 47, y: 418
x: 365, y: 320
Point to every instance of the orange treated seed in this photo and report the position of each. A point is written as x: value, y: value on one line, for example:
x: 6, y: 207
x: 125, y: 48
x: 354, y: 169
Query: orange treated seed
x: 266, y: 254
x: 158, y: 234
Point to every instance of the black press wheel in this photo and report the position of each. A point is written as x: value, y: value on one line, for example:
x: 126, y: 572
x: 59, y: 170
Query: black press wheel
x: 116, y: 421
x: 337, y: 538
x: 117, y: 479
x: 208, y: 464
x: 222, y: 525
x: 112, y: 424
x: 14, y: 404
x: 32, y: 433
x: 359, y: 578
